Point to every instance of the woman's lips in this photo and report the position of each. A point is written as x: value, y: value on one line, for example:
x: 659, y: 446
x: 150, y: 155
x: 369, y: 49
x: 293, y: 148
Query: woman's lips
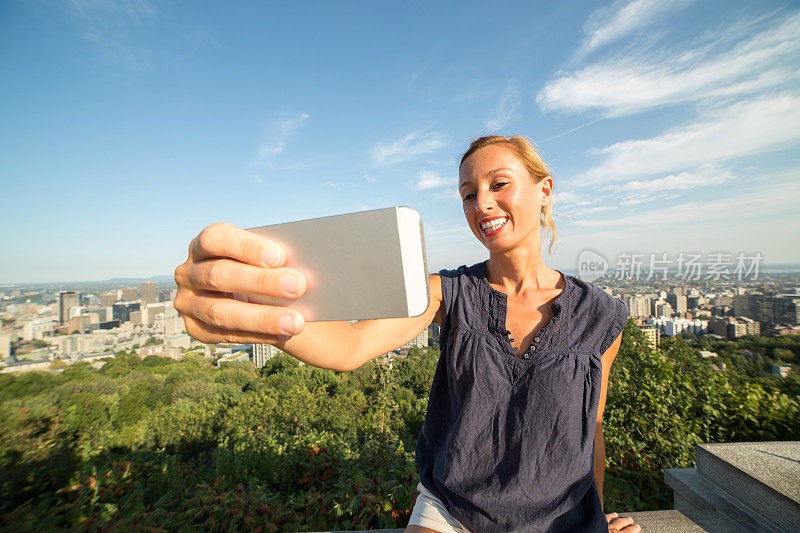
x: 493, y: 226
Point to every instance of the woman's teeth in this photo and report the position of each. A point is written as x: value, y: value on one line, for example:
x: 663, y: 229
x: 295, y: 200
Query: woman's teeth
x: 492, y: 225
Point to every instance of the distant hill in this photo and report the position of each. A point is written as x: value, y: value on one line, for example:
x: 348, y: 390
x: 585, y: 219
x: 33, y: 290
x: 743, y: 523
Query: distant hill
x: 162, y: 281
x: 136, y: 280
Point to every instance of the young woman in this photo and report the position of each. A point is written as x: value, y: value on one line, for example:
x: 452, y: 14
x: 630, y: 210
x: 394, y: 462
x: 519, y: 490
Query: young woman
x: 513, y: 438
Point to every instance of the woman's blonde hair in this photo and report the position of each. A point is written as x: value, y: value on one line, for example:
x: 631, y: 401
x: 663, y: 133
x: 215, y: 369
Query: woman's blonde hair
x: 525, y: 150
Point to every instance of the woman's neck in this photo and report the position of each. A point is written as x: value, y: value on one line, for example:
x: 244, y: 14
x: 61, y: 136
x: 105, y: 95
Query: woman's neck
x: 520, y: 270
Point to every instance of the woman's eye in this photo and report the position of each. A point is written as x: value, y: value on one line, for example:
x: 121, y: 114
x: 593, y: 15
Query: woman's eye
x: 500, y: 184
x: 469, y: 196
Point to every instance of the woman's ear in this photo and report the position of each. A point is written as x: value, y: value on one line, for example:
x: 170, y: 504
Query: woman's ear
x: 546, y: 190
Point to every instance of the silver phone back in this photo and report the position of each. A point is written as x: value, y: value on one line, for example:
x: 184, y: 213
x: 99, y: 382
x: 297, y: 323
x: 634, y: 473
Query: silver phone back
x: 353, y: 264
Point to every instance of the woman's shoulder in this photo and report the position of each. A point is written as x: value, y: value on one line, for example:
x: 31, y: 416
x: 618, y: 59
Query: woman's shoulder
x: 597, y: 316
x: 462, y: 271
x: 462, y: 277
x: 462, y: 288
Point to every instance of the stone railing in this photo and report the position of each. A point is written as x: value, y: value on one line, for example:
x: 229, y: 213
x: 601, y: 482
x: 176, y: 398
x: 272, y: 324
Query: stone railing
x: 742, y: 486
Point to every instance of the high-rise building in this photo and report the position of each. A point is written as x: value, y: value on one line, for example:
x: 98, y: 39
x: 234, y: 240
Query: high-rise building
x: 5, y: 344
x: 663, y: 309
x: 151, y: 311
x: 166, y: 295
x: 263, y: 353
x: 752, y: 327
x: 36, y: 328
x: 675, y: 326
x: 638, y: 306
x: 130, y: 293
x: 435, y: 332
x: 171, y: 325
x: 101, y: 312
x: 420, y: 341
x: 780, y: 309
x: 108, y: 299
x: 729, y: 327
x: 677, y: 301
x: 122, y: 311
x: 79, y: 323
x: 149, y: 292
x: 67, y: 300
x: 651, y: 334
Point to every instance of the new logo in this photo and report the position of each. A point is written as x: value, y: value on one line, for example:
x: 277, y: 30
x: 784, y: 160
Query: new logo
x: 591, y: 265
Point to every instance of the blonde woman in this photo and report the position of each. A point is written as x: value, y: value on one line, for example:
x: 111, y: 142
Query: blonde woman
x: 513, y: 436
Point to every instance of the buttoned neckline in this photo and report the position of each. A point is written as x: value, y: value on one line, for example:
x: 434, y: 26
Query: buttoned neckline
x: 498, y: 311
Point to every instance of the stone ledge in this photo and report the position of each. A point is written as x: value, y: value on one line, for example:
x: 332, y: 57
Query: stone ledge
x: 760, y: 478
x: 664, y: 521
x: 705, y: 505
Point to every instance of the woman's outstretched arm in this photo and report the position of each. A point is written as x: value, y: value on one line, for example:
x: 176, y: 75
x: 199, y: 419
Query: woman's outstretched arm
x: 345, y: 346
x: 224, y: 259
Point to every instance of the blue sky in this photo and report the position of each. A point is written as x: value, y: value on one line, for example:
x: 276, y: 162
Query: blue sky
x: 126, y: 127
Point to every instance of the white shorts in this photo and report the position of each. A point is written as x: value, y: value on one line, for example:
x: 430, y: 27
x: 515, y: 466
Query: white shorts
x: 429, y: 512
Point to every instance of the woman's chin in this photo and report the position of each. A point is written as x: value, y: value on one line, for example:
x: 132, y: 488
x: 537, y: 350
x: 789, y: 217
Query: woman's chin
x: 496, y: 245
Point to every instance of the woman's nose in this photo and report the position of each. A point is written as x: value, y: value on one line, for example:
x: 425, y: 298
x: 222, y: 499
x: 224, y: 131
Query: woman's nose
x: 485, y: 200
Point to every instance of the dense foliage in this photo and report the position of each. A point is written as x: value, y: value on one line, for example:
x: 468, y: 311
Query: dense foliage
x: 155, y: 443
x: 663, y: 402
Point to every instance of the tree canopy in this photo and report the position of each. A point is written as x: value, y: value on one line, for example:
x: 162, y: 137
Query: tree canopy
x: 153, y: 442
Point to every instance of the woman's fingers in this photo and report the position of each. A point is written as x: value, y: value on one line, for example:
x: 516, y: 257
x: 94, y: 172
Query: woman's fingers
x: 214, y: 335
x: 226, y: 240
x: 633, y: 527
x: 219, y: 312
x: 227, y: 275
x: 622, y: 525
x: 611, y: 516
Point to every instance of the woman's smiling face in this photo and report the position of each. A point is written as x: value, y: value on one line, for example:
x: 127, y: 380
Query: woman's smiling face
x: 501, y: 202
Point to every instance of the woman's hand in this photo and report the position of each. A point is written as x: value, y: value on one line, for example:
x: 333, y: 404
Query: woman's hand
x: 224, y: 259
x: 622, y: 525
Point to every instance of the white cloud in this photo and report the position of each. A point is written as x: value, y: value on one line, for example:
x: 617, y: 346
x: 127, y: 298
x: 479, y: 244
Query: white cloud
x: 757, y: 215
x: 330, y: 185
x: 431, y: 180
x: 632, y: 82
x: 641, y: 190
x: 748, y: 204
x: 578, y: 213
x: 569, y: 204
x: 448, y: 194
x: 608, y: 24
x: 112, y: 27
x: 708, y: 175
x: 412, y: 145
x: 370, y: 179
x: 572, y: 199
x: 446, y: 229
x: 276, y: 143
x: 504, y: 112
x: 741, y: 129
x: 99, y: 10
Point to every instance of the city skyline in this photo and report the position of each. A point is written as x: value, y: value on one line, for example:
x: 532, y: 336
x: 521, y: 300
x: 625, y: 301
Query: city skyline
x: 130, y: 126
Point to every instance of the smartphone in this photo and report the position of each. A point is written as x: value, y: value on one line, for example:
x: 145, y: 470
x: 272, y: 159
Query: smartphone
x: 369, y: 264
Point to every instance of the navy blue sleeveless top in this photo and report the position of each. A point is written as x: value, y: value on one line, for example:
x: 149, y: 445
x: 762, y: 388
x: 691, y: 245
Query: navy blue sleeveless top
x: 508, y: 442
